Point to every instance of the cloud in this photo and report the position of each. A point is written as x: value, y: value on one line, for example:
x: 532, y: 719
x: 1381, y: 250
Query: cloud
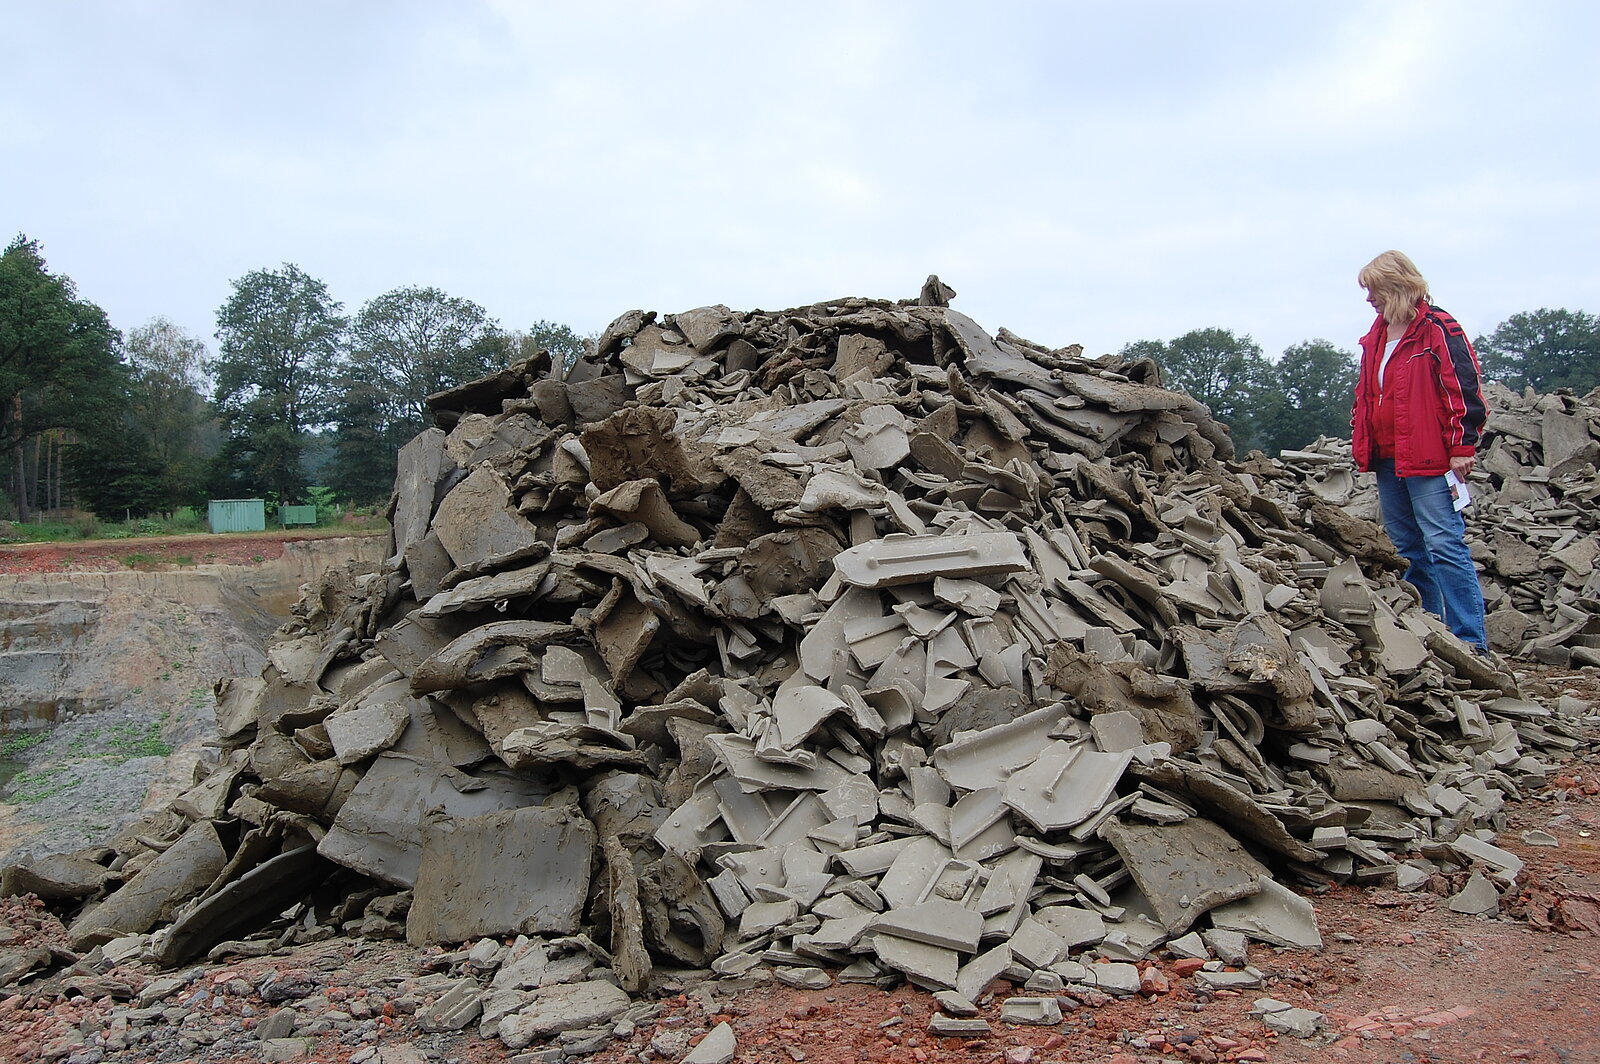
x: 1079, y: 172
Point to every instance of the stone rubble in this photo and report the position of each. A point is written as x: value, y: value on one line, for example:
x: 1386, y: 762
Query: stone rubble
x: 1284, y: 1018
x: 849, y: 642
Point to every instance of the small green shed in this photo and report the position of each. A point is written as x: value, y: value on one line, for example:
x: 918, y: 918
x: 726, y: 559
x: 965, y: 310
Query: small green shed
x: 237, y: 515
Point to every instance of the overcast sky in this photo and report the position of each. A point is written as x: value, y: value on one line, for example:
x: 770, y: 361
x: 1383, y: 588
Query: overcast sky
x: 1091, y: 173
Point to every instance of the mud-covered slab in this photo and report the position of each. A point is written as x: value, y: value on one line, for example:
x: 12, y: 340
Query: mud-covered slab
x: 518, y: 871
x: 1184, y: 869
x: 244, y: 904
x: 54, y: 877
x: 479, y: 526
x: 177, y: 873
x: 370, y: 727
x: 379, y: 828
x: 421, y: 468
x: 642, y: 442
x: 497, y: 590
x: 1122, y: 396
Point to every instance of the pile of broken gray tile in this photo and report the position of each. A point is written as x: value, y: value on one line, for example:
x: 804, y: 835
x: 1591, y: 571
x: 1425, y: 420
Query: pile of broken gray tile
x: 850, y: 642
x: 1533, y: 523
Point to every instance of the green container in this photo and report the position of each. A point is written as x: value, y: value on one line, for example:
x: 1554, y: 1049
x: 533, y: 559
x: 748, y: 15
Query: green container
x: 237, y: 515
x: 297, y: 515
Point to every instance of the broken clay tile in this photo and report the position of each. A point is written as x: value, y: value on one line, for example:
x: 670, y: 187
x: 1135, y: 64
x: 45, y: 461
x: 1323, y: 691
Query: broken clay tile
x: 1185, y: 869
x: 520, y: 870
x: 898, y: 558
x: 1064, y: 786
x: 936, y: 921
x: 928, y: 966
x: 1275, y: 915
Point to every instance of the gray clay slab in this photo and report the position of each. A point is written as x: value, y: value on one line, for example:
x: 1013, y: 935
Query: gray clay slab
x: 378, y: 830
x: 563, y: 1007
x: 1277, y: 915
x: 517, y: 871
x: 1066, y: 785
x: 982, y: 759
x: 903, y: 559
x: 981, y: 970
x: 937, y: 922
x: 1185, y: 869
x: 931, y: 967
x: 1478, y: 898
x: 1076, y: 926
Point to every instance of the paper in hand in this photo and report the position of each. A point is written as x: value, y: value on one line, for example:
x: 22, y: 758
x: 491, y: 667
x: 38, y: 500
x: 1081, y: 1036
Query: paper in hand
x: 1460, y: 497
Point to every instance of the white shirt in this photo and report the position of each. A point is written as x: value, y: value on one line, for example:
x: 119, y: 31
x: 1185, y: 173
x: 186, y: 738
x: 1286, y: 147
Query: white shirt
x: 1388, y: 353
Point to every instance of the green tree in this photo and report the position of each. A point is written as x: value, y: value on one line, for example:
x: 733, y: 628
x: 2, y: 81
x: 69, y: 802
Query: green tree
x: 563, y: 343
x: 1313, y: 384
x: 59, y: 361
x: 405, y: 345
x: 1545, y: 349
x: 366, y: 436
x: 1227, y: 373
x: 170, y: 409
x: 114, y: 472
x: 417, y: 341
x: 279, y: 338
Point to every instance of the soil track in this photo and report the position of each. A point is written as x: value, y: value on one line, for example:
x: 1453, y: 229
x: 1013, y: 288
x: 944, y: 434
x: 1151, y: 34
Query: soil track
x: 157, y: 552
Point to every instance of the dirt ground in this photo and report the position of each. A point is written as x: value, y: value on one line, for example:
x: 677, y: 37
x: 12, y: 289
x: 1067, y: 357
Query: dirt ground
x: 155, y: 552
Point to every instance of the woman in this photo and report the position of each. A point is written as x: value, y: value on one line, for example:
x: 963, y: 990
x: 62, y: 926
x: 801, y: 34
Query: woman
x: 1419, y: 415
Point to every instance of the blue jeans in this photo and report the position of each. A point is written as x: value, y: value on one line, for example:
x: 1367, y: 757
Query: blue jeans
x: 1430, y: 533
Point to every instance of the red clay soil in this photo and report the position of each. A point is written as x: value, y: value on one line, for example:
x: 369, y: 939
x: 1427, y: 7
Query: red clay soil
x: 155, y: 552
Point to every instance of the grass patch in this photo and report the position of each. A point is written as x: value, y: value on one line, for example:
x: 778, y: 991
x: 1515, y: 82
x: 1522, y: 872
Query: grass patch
x: 71, y: 526
x: 136, y: 560
x: 12, y: 745
x: 123, y: 742
x: 134, y: 740
x: 114, y: 745
x: 35, y: 785
x: 42, y: 532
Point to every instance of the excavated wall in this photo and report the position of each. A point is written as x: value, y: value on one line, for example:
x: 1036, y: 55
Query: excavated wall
x: 100, y: 671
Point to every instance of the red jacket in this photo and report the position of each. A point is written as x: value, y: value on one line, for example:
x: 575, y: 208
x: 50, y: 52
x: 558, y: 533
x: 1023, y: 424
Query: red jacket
x: 1435, y: 388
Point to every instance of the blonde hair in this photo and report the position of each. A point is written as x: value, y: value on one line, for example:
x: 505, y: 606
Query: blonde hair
x: 1396, y: 283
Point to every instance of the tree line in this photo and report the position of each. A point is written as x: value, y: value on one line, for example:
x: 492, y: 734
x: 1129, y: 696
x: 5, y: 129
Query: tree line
x: 298, y: 393
x: 1287, y: 404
